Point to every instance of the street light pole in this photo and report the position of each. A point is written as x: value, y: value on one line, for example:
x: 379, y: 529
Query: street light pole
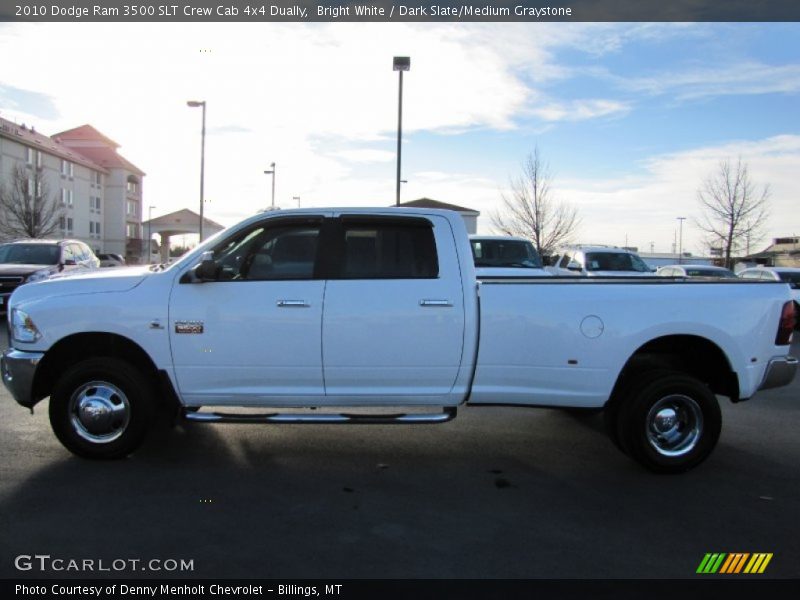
x: 272, y: 172
x: 680, y: 239
x: 400, y: 64
x: 150, y: 234
x: 298, y: 200
x: 195, y: 104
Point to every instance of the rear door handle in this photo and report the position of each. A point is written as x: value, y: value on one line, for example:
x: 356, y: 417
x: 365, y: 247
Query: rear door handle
x: 292, y: 304
x: 435, y: 303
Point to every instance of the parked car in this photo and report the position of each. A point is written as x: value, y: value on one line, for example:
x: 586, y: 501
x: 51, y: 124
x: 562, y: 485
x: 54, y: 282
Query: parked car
x: 380, y: 308
x: 505, y: 256
x: 691, y: 271
x: 790, y: 275
x: 26, y: 261
x: 111, y: 260
x: 599, y: 261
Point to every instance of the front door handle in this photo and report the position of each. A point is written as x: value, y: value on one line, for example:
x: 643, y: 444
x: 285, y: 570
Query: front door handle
x: 435, y: 303
x: 292, y: 304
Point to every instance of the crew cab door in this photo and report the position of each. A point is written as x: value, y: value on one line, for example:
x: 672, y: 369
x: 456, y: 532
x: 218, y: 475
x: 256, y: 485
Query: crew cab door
x: 253, y: 333
x: 393, y: 323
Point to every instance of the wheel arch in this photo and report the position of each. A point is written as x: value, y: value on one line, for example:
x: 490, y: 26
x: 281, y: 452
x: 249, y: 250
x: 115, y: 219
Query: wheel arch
x: 691, y: 354
x: 81, y: 346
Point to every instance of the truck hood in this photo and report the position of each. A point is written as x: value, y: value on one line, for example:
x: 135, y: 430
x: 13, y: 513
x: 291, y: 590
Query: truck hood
x: 510, y: 272
x: 18, y: 270
x: 620, y: 274
x: 90, y: 282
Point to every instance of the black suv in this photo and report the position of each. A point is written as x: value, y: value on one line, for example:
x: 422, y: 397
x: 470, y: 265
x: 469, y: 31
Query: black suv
x: 26, y: 261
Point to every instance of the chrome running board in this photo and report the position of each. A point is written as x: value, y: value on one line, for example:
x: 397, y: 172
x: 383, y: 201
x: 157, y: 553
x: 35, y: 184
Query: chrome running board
x: 448, y: 414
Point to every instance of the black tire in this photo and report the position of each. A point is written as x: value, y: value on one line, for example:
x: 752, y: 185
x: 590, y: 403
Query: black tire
x: 667, y: 421
x: 100, y: 408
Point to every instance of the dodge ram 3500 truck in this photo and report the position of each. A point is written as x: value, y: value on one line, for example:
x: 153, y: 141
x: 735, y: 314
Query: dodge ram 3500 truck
x: 329, y: 308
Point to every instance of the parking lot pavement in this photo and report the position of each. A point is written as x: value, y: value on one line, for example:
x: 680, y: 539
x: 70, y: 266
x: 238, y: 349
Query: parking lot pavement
x: 496, y: 493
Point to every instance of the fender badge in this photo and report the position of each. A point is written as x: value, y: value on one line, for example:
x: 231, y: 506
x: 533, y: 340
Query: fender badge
x: 188, y: 327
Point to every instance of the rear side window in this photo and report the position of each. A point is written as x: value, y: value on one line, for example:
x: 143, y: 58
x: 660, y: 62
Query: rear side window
x: 388, y: 249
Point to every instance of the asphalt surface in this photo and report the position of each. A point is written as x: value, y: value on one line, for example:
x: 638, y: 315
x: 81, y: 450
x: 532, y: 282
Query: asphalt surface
x: 497, y: 493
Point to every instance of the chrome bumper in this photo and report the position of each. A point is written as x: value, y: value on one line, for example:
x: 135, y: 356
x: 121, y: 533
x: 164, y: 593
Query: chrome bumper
x: 18, y: 369
x: 780, y: 372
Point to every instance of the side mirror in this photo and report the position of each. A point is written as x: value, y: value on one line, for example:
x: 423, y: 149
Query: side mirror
x: 69, y: 263
x: 207, y: 270
x: 574, y: 266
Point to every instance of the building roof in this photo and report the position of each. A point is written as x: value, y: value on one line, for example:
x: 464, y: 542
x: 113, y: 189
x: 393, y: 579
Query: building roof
x: 85, y: 133
x: 108, y: 158
x: 182, y: 219
x: 97, y: 147
x: 428, y: 203
x: 28, y: 136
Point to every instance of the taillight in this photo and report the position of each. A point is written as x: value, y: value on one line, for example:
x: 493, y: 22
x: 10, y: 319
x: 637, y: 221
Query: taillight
x: 786, y: 326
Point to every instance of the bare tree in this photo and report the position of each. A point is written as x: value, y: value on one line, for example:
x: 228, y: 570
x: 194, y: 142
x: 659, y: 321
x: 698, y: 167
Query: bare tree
x: 734, y: 211
x: 530, y: 211
x: 26, y: 208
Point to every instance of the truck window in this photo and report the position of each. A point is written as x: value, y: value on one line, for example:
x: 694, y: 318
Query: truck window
x: 272, y: 252
x: 388, y: 250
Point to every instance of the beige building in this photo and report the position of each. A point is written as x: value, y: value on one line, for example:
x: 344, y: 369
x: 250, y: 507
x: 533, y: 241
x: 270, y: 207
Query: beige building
x: 100, y: 191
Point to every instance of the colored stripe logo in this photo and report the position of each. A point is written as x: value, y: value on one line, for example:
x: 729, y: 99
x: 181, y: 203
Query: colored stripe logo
x: 734, y: 563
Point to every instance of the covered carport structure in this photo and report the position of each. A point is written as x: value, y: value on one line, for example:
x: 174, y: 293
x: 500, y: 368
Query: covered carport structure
x: 180, y: 222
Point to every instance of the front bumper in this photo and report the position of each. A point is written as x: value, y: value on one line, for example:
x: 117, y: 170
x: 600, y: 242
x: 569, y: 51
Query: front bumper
x: 780, y: 372
x: 18, y: 369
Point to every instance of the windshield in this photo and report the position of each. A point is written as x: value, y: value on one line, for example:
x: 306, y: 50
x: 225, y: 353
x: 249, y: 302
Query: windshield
x: 723, y: 273
x: 792, y: 279
x: 505, y: 253
x: 615, y: 261
x: 29, y: 254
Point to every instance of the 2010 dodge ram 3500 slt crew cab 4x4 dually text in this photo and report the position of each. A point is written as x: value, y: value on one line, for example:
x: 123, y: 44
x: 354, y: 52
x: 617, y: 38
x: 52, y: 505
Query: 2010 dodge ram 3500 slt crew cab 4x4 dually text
x: 332, y: 308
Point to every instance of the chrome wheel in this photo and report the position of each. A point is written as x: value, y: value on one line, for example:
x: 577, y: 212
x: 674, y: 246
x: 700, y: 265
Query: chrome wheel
x: 99, y: 412
x: 674, y: 425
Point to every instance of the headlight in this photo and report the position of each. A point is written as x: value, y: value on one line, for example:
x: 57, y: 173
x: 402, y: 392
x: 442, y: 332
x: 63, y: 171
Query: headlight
x: 23, y: 328
x: 37, y: 276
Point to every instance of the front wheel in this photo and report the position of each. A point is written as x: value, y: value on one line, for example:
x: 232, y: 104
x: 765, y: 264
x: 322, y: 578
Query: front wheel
x: 100, y: 408
x: 668, y: 421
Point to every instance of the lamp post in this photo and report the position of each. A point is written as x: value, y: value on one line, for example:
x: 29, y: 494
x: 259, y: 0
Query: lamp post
x: 400, y: 64
x: 298, y: 200
x: 272, y: 172
x: 149, y: 234
x: 680, y: 239
x: 195, y: 104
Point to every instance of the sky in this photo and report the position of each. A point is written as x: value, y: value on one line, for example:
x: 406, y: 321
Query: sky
x: 631, y: 118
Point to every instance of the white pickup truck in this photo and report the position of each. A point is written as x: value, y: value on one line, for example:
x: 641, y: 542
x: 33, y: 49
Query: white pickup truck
x: 328, y: 308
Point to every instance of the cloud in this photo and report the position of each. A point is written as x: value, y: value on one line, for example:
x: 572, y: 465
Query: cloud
x: 741, y: 78
x: 581, y: 110
x: 644, y: 208
x: 366, y: 155
x: 27, y: 102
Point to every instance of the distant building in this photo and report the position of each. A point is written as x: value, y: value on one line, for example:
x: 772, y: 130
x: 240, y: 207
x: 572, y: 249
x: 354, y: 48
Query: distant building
x: 661, y: 259
x: 783, y: 252
x: 470, y: 216
x: 100, y: 190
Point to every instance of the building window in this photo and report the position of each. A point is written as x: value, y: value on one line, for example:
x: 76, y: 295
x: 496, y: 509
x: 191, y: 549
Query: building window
x: 97, y: 228
x: 29, y: 155
x: 39, y: 160
x: 97, y: 178
x: 62, y: 223
x: 133, y: 230
x: 67, y: 168
x: 66, y: 197
x: 69, y: 225
x: 132, y: 208
x: 132, y: 187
